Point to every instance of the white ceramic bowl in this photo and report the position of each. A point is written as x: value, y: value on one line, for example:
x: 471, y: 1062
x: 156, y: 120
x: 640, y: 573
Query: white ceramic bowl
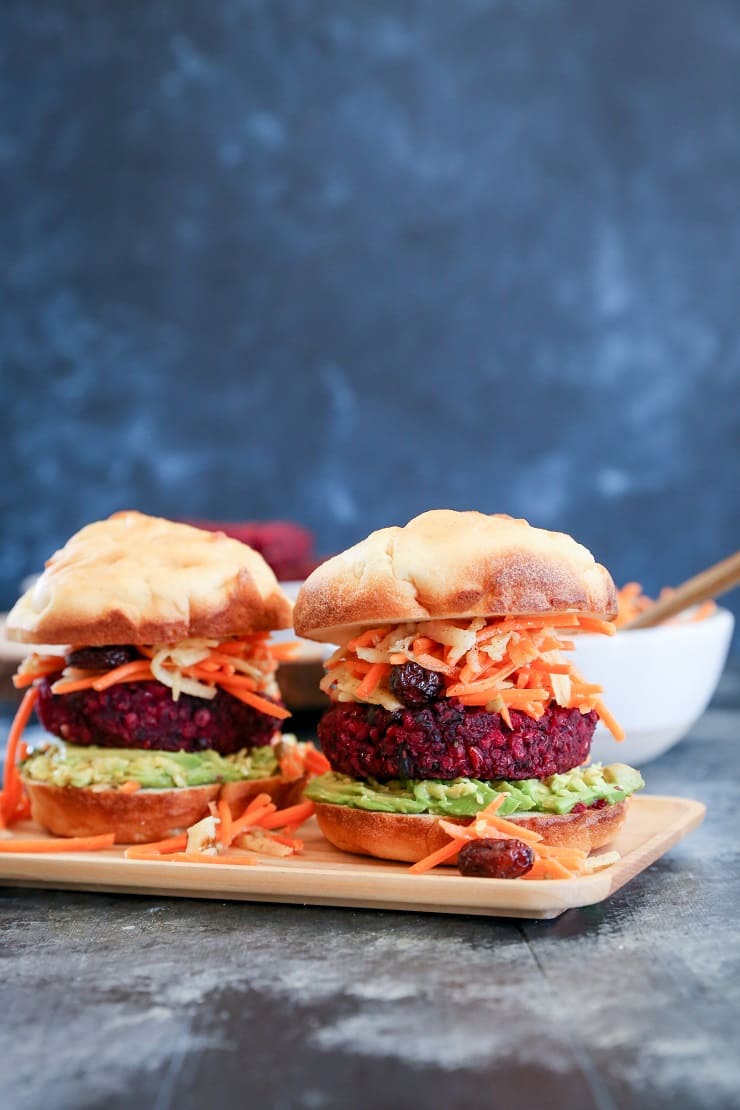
x: 657, y: 682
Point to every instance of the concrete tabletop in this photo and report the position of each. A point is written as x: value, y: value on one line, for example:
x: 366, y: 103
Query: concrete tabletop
x: 121, y: 1001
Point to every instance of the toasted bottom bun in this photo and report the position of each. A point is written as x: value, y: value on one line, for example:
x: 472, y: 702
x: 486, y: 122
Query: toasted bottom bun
x: 411, y: 837
x: 147, y: 815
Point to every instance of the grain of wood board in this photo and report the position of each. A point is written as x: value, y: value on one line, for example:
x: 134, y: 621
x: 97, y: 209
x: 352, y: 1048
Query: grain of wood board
x: 324, y: 876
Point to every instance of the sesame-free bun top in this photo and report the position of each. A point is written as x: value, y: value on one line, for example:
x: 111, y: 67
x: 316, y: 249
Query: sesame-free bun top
x: 449, y: 565
x: 136, y: 579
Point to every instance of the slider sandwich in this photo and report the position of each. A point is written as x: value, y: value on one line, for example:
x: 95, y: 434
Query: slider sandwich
x: 451, y: 685
x: 162, y: 698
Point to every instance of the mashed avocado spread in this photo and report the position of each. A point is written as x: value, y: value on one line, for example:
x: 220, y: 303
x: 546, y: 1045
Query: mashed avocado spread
x: 465, y: 797
x: 72, y: 765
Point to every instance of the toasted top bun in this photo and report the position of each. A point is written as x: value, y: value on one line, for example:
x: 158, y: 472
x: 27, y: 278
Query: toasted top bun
x: 135, y: 579
x: 448, y: 565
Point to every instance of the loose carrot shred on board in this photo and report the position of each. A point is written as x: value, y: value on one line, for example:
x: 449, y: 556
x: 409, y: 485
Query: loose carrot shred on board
x: 157, y: 847
x: 290, y: 816
x: 546, y: 868
x: 291, y: 841
x: 59, y: 844
x: 440, y: 856
x: 197, y: 857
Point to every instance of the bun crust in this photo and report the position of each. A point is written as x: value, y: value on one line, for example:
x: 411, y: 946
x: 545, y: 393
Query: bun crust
x: 138, y: 818
x: 147, y: 815
x: 447, y: 564
x: 411, y: 837
x: 136, y: 579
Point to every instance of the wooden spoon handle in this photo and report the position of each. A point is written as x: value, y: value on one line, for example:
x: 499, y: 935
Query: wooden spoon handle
x: 708, y: 584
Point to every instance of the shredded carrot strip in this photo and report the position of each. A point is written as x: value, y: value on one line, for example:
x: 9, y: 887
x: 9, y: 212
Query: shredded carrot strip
x: 12, y: 785
x: 59, y: 844
x: 292, y: 766
x: 130, y: 672
x: 46, y: 665
x: 218, y: 668
x: 591, y: 624
x: 257, y: 802
x: 71, y: 686
x: 130, y: 787
x: 290, y: 816
x: 291, y: 841
x: 197, y: 857
x: 249, y: 818
x: 264, y: 706
x: 157, y: 847
x: 226, y: 822
x: 440, y: 856
x: 283, y: 652
x: 548, y: 869
x: 613, y: 725
x: 493, y: 807
x: 315, y: 761
x: 372, y: 678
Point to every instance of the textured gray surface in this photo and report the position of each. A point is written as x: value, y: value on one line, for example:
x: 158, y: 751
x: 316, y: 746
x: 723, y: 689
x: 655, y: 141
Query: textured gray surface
x: 123, y: 1002
x: 342, y: 264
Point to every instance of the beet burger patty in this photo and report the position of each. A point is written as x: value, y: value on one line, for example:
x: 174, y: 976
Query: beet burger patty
x: 448, y: 740
x: 144, y: 715
x: 451, y: 685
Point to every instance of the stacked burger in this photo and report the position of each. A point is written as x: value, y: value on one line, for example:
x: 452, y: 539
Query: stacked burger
x: 451, y: 686
x: 163, y: 695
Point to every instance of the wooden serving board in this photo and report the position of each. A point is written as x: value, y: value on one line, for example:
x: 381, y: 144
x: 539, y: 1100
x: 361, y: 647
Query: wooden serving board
x: 322, y: 876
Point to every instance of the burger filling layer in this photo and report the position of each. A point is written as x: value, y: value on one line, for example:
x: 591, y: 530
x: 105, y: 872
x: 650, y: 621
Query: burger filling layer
x: 579, y: 789
x: 442, y: 716
x: 145, y: 715
x: 445, y: 739
x: 189, y: 696
x: 70, y: 765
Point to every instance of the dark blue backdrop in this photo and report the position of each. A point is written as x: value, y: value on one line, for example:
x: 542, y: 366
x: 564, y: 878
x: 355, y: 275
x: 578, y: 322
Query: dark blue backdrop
x: 341, y: 262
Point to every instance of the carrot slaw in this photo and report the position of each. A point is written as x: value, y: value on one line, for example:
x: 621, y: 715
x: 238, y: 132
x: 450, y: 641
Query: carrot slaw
x: 502, y: 664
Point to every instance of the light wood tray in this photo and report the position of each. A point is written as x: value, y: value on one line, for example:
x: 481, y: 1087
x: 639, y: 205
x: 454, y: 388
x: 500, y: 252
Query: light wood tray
x: 323, y: 876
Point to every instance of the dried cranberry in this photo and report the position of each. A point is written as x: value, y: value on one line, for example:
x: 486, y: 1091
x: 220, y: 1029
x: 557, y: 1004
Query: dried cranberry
x: 496, y: 859
x: 414, y: 685
x: 102, y: 658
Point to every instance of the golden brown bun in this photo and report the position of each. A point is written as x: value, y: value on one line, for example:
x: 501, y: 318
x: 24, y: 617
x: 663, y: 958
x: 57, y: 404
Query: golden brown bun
x: 136, y: 818
x: 411, y: 837
x: 147, y: 815
x: 446, y: 564
x: 135, y: 579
